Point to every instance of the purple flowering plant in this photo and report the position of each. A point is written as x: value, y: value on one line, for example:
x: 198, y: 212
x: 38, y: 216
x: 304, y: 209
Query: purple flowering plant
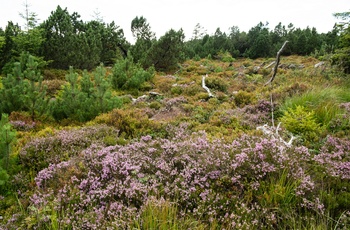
x: 250, y: 182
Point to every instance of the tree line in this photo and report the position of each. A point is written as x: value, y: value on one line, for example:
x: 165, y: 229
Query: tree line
x: 64, y: 40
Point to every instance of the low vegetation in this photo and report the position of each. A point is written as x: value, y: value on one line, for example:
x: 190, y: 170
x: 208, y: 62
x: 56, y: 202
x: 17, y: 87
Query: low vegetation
x: 170, y: 157
x: 137, y: 142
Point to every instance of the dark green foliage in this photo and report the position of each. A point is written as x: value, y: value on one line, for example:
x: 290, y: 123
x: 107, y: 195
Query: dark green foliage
x: 13, y: 88
x: 128, y: 75
x: 259, y: 42
x: 7, y: 138
x: 7, y: 50
x: 71, y: 42
x: 342, y: 54
x: 65, y: 42
x: 34, y: 99
x: 113, y: 43
x: 164, y: 54
x: 23, y: 89
x: 84, y: 99
x: 167, y: 52
x: 141, y: 30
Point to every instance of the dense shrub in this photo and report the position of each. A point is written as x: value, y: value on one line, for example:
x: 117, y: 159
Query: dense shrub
x: 217, y: 84
x: 39, y: 153
x: 243, y: 98
x: 301, y: 122
x: 23, y: 90
x: 83, y: 99
x: 254, y: 115
x: 250, y: 183
x: 128, y: 75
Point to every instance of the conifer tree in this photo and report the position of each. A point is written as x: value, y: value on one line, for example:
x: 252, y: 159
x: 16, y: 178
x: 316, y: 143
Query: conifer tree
x: 85, y: 99
x: 34, y: 99
x: 167, y: 52
x: 141, y: 30
x: 12, y: 91
x: 68, y: 103
x: 8, y: 49
x: 342, y: 54
x: 7, y: 137
x: 128, y: 75
x: 104, y: 100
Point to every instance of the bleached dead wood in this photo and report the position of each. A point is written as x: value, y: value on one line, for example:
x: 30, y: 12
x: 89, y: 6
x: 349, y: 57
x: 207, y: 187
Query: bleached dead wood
x: 205, y: 87
x: 277, y: 63
x: 269, y: 65
x: 273, y: 132
x: 322, y: 63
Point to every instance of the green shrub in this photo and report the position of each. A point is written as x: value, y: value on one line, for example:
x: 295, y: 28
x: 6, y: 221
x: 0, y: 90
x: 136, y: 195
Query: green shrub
x: 85, y: 99
x: 54, y: 74
x: 225, y: 56
x: 52, y: 86
x: 23, y: 89
x: 177, y: 90
x: 323, y: 102
x: 155, y: 105
x: 128, y: 75
x: 243, y: 98
x: 216, y: 84
x: 7, y: 139
x: 218, y: 69
x: 192, y: 90
x: 302, y: 122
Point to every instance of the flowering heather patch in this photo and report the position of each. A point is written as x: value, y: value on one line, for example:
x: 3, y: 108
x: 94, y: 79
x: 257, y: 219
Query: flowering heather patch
x: 334, y: 157
x: 251, y: 182
x: 258, y: 114
x: 40, y: 152
x: 22, y: 125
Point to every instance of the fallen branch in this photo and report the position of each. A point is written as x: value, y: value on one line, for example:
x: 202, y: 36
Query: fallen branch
x: 273, y: 132
x: 205, y: 87
x: 277, y: 63
x: 269, y: 65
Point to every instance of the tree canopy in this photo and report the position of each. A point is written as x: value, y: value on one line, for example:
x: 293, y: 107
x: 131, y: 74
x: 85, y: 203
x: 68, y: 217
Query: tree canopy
x: 64, y: 40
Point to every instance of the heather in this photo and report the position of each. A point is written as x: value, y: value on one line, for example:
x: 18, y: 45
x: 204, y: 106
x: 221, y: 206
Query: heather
x: 173, y: 157
x: 40, y: 152
x: 253, y: 182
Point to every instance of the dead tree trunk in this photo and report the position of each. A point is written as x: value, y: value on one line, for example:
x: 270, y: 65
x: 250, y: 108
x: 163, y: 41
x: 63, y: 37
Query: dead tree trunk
x: 277, y: 63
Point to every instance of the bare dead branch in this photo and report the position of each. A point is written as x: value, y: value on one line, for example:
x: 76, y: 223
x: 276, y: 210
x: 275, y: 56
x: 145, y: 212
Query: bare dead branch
x: 269, y: 65
x: 205, y: 87
x: 273, y: 132
x: 277, y: 63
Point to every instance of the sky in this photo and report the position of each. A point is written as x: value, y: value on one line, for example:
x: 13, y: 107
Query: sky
x: 163, y: 15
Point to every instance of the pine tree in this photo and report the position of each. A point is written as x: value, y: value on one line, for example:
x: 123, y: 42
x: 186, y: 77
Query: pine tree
x: 341, y: 57
x: 8, y: 49
x: 34, y: 99
x: 141, y: 30
x: 167, y: 52
x: 128, y: 75
x: 85, y: 99
x: 12, y: 91
x: 7, y: 137
x: 68, y: 102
